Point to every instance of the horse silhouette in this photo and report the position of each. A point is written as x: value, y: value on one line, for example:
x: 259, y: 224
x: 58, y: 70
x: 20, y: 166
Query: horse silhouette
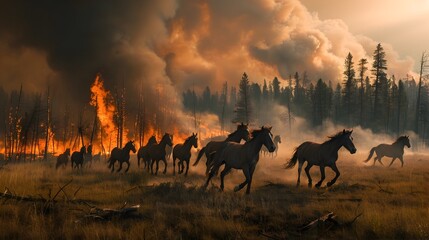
x: 63, y: 158
x: 394, y: 150
x: 183, y: 153
x: 242, y: 156
x: 121, y: 155
x: 144, y: 152
x: 322, y: 155
x: 77, y: 158
x: 157, y: 153
x: 87, y: 157
x: 212, y: 147
x: 276, y: 140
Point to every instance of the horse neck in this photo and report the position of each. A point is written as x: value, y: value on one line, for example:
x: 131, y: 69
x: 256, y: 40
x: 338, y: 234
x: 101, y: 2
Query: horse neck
x: 255, y: 144
x: 127, y: 149
x: 399, y: 144
x: 233, y: 137
x: 163, y: 142
x: 187, y: 145
x: 334, y: 145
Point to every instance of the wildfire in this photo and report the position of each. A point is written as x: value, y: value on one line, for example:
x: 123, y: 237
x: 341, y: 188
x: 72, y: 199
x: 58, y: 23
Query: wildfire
x: 101, y: 99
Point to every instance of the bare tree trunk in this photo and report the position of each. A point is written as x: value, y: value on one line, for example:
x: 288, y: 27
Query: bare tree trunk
x: 48, y: 122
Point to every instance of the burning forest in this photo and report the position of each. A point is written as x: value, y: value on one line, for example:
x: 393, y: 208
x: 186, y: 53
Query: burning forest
x: 171, y: 119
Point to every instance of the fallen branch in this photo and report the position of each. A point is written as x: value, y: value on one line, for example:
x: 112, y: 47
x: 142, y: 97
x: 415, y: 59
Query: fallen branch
x: 381, y: 189
x: 107, y: 214
x: 327, y: 222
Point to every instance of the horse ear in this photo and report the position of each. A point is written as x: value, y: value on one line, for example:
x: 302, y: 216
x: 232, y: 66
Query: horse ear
x: 270, y: 128
x: 351, y: 131
x: 344, y: 130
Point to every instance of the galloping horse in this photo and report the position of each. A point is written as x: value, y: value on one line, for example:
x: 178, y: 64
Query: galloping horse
x: 183, y: 153
x: 242, y: 156
x: 77, y: 158
x: 212, y: 147
x: 121, y: 155
x: 157, y: 153
x: 322, y: 155
x: 276, y: 140
x: 394, y: 150
x: 87, y: 157
x: 63, y: 158
x: 144, y: 151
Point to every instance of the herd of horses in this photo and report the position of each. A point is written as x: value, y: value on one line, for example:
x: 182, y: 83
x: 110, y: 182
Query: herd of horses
x: 232, y: 154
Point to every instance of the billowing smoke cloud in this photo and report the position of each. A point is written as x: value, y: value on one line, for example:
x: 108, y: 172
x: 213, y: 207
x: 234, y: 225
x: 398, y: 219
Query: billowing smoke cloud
x: 169, y: 46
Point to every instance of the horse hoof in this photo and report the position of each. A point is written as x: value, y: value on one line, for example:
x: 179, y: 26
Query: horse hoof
x: 236, y: 189
x: 310, y: 185
x: 329, y: 184
x: 317, y: 186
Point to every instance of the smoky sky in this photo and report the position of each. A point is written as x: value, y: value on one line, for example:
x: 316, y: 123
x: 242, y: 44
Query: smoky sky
x: 171, y: 45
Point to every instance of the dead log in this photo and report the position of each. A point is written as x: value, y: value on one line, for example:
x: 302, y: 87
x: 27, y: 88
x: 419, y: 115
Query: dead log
x: 326, y: 223
x: 107, y: 214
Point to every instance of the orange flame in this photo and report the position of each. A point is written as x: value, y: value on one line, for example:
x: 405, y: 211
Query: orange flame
x: 101, y: 99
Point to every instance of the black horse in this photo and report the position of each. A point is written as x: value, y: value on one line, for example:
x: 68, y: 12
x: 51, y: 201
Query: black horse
x: 78, y: 157
x: 183, y: 153
x: 322, y: 155
x: 212, y: 147
x: 121, y: 155
x: 157, y: 153
x: 63, y: 158
x: 143, y: 153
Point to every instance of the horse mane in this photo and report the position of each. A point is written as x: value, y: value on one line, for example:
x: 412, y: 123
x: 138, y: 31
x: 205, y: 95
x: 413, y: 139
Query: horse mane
x: 400, y: 139
x: 256, y: 132
x: 337, y: 135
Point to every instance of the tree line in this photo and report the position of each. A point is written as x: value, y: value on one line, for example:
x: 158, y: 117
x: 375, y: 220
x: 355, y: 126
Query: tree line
x: 366, y: 96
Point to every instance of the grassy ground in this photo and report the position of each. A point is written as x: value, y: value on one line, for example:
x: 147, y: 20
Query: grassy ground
x: 393, y: 203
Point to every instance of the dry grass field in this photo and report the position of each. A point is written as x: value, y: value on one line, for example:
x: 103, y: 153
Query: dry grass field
x: 393, y: 203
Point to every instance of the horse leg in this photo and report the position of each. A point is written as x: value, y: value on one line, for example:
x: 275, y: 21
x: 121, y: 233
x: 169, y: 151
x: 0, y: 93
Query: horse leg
x: 222, y: 176
x: 249, y: 182
x: 157, y: 167
x: 322, y: 177
x: 128, y: 167
x: 337, y: 175
x: 138, y: 161
x: 174, y: 166
x: 120, y: 166
x: 165, y: 165
x: 187, y: 167
x: 307, y: 171
x: 402, y: 161
x: 246, y: 172
x: 379, y: 159
x: 393, y: 159
x: 299, y: 172
x: 112, y: 165
x: 152, y: 162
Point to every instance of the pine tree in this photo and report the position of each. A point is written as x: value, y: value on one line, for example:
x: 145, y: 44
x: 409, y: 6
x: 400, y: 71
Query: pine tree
x: 276, y: 89
x: 321, y: 101
x: 362, y: 69
x: 379, y: 67
x: 243, y: 108
x: 401, y: 107
x: 349, y: 90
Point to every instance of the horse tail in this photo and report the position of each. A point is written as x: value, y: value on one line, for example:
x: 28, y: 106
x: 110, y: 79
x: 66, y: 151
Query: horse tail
x: 292, y: 162
x: 200, y: 154
x: 370, y: 154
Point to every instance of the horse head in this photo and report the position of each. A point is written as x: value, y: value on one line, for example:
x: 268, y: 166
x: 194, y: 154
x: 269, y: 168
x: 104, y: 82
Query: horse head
x: 168, y: 139
x: 67, y: 152
x: 83, y: 149
x: 243, y: 131
x: 278, y: 139
x: 130, y: 146
x: 406, y: 141
x: 267, y: 138
x: 194, y: 140
x: 348, y: 141
x: 152, y: 140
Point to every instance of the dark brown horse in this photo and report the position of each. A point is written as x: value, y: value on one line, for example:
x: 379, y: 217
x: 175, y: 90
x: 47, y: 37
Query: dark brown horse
x: 77, y: 158
x: 183, y: 153
x: 144, y: 152
x: 157, y: 153
x: 242, y: 156
x: 63, y: 158
x: 394, y: 150
x: 87, y: 157
x: 212, y: 147
x: 121, y: 155
x: 322, y: 155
